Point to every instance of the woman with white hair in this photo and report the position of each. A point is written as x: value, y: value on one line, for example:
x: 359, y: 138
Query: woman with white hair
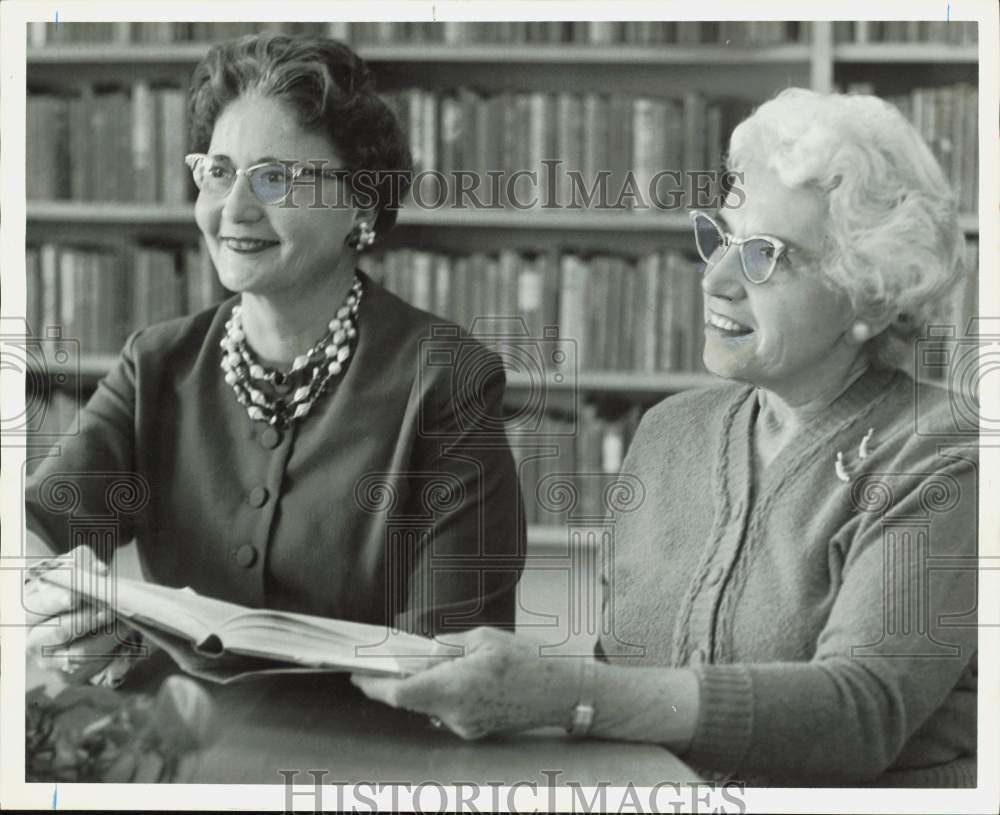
x: 793, y: 603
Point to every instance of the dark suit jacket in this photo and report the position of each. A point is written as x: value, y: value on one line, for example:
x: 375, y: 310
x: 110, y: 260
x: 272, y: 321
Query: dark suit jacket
x: 395, y: 500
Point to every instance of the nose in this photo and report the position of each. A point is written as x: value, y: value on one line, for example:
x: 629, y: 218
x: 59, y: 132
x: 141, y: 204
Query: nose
x: 724, y: 277
x: 240, y: 204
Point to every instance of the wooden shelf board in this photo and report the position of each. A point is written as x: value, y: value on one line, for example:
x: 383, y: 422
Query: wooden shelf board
x: 969, y: 223
x: 91, y: 367
x: 709, y: 54
x: 634, y: 382
x: 115, y: 214
x: 552, y: 542
x: 548, y: 219
x: 187, y: 53
x: 549, y: 538
x: 905, y: 52
x: 98, y: 53
x: 111, y: 213
x: 94, y: 366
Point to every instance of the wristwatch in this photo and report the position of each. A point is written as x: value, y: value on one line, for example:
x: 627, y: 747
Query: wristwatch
x: 583, y: 713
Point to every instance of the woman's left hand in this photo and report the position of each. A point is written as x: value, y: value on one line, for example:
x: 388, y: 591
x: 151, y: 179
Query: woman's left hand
x: 501, y: 682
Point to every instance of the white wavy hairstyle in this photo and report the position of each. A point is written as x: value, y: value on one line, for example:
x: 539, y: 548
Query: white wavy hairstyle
x: 893, y: 241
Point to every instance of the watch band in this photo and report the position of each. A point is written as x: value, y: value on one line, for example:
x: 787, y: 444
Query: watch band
x: 583, y: 713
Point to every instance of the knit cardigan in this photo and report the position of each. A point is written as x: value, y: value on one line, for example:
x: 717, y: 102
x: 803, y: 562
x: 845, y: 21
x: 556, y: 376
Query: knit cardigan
x: 831, y: 623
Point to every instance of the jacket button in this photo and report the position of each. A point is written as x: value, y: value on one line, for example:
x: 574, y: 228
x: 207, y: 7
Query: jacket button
x: 714, y: 575
x: 257, y: 496
x: 270, y: 438
x: 699, y: 656
x: 246, y: 556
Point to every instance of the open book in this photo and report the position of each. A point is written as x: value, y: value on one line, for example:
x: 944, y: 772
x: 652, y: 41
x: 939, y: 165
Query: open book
x: 224, y: 642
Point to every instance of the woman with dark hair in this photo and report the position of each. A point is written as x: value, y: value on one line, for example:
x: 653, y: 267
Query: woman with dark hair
x: 300, y: 446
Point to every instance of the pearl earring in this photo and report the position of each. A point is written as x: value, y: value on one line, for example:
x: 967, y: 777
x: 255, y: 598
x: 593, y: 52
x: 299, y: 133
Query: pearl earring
x: 361, y: 237
x: 861, y: 332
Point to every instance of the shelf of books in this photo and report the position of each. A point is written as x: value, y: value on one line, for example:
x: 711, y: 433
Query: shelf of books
x: 112, y: 244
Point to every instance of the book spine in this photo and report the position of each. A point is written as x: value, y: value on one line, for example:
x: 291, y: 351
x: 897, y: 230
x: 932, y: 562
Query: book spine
x: 646, y: 329
x: 595, y: 315
x: 971, y: 171
x: 421, y: 275
x: 33, y: 290
x: 509, y: 266
x: 530, y: 297
x: 50, y: 299
x: 143, y: 144
x: 572, y: 299
x: 539, y: 144
x: 173, y: 129
x: 69, y: 261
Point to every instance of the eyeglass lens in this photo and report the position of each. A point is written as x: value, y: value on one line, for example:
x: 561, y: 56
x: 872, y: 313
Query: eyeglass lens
x: 707, y: 237
x: 757, y: 255
x: 271, y: 183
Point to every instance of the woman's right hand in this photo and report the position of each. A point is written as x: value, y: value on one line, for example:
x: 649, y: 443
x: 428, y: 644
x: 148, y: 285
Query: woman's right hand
x: 70, y: 634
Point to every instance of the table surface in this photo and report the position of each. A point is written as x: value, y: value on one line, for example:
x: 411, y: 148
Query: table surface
x: 321, y: 722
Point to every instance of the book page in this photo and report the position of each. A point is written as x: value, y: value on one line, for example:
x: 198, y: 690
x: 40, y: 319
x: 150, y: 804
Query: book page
x: 320, y: 641
x: 183, y: 612
x: 218, y: 631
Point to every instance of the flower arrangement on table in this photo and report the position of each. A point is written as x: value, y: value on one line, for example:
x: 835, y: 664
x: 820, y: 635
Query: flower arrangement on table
x: 95, y: 734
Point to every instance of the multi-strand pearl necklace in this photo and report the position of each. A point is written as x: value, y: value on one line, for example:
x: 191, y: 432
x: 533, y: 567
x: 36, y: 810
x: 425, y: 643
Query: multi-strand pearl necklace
x: 313, y: 369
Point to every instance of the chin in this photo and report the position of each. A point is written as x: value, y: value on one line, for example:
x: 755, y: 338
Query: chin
x: 730, y: 360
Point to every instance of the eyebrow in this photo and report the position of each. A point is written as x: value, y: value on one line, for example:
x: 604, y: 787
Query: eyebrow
x: 790, y: 245
x: 261, y: 160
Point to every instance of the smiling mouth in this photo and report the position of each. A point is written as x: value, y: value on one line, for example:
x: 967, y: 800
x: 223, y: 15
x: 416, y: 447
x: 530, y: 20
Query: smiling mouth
x: 725, y: 326
x: 246, y: 246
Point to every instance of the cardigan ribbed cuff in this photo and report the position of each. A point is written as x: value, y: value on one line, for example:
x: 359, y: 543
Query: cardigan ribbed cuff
x: 725, y: 717
x: 960, y: 773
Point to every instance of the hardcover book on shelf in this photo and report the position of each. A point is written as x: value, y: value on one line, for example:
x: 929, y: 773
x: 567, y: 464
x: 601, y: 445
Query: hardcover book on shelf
x: 225, y: 642
x: 47, y: 174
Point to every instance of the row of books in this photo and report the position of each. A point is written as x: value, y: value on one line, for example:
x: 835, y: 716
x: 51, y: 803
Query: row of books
x: 98, y: 296
x: 568, y: 468
x: 599, y: 32
x: 957, y: 32
x: 113, y: 145
x: 947, y: 118
x: 589, y: 133
x: 594, y: 32
x: 127, y: 144
x: 621, y: 314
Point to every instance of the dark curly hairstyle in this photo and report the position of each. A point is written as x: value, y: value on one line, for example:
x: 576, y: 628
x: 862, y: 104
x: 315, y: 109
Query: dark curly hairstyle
x: 331, y: 91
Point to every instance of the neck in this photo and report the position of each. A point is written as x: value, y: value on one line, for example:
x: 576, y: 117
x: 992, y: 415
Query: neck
x: 784, y: 410
x: 280, y: 327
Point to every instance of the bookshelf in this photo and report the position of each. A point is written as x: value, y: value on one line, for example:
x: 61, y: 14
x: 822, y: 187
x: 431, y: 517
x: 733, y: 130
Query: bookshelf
x: 748, y: 64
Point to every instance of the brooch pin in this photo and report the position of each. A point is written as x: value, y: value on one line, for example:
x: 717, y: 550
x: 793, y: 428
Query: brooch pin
x: 841, y: 468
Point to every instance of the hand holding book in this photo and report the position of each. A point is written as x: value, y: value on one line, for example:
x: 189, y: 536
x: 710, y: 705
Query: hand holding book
x: 225, y: 642
x: 71, y: 634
